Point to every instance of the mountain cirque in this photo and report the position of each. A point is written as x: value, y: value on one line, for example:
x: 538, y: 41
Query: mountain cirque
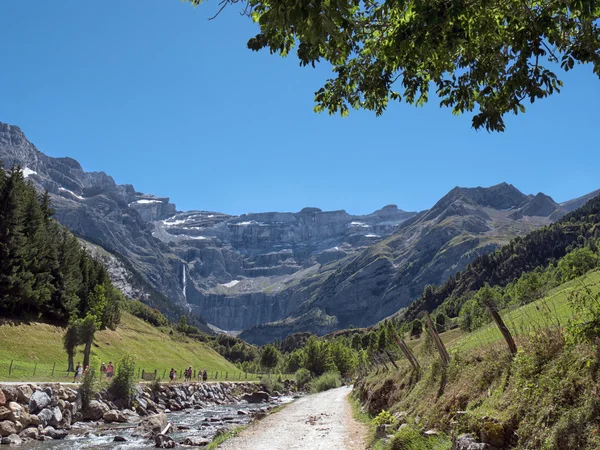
x: 276, y: 273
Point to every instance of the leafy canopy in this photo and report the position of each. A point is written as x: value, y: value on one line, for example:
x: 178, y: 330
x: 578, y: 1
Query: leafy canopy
x: 486, y: 58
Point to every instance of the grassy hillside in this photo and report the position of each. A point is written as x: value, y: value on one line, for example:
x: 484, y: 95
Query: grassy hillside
x: 543, y: 398
x: 154, y: 349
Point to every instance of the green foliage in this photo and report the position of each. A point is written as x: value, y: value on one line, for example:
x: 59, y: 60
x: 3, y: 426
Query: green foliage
x: 270, y: 385
x: 410, y: 438
x: 490, y: 59
x: 343, y: 357
x: 317, y: 356
x: 584, y: 327
x: 303, y: 378
x: 123, y: 383
x: 89, y: 387
x: 146, y: 313
x: 384, y: 418
x: 328, y: 380
x: 269, y: 357
x: 416, y: 328
x: 577, y: 263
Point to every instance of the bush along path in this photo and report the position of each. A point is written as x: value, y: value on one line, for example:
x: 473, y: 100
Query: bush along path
x: 155, y: 415
x: 321, y: 421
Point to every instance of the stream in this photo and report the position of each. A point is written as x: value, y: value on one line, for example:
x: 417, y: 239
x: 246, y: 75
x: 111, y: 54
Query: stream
x: 197, y: 422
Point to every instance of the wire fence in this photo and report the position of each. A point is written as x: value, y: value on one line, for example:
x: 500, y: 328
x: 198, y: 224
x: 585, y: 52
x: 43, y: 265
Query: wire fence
x: 15, y: 370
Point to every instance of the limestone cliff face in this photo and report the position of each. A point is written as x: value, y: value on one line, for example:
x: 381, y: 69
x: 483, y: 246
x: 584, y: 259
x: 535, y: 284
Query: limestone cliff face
x: 277, y: 272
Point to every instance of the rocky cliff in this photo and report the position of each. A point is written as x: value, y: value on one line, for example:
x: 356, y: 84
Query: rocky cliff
x: 277, y: 272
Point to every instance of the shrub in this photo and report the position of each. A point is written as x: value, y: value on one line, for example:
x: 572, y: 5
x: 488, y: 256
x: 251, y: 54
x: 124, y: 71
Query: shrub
x: 123, y: 384
x: 303, y: 378
x: 271, y: 386
x: 89, y: 386
x: 329, y: 380
x: 384, y: 418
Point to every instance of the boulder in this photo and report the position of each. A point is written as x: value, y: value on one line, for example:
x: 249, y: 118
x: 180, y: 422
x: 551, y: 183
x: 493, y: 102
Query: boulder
x: 119, y: 439
x: 3, y: 399
x: 57, y: 417
x: 10, y: 394
x: 114, y: 416
x: 4, y: 412
x: 493, y: 433
x: 256, y: 397
x: 95, y: 410
x: 150, y: 426
x: 29, y: 433
x: 24, y: 393
x: 7, y: 428
x: 34, y: 420
x: 12, y: 440
x: 54, y: 433
x: 163, y: 441
x: 46, y: 416
x: 195, y: 441
x: 38, y: 401
x: 468, y: 442
x: 15, y: 411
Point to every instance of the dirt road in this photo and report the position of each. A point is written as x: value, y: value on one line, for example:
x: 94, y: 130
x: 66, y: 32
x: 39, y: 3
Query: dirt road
x: 317, y: 422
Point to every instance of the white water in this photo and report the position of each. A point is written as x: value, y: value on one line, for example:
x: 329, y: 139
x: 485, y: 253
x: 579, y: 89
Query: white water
x: 184, y: 281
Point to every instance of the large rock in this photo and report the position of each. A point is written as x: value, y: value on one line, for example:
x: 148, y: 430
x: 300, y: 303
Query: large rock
x: 16, y: 411
x: 24, y: 393
x: 3, y: 400
x: 10, y: 394
x: 38, y: 401
x: 7, y: 428
x: 45, y: 416
x: 151, y: 426
x: 164, y: 441
x: 30, y: 433
x: 95, y: 410
x: 114, y: 416
x: 256, y: 397
x: 54, y: 433
x: 468, y: 442
x: 12, y: 440
x: 195, y: 441
x: 4, y: 412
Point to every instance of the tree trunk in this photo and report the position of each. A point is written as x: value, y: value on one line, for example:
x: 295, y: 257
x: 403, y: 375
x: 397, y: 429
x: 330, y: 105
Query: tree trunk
x: 71, y: 366
x: 437, y: 341
x: 503, y: 329
x: 407, y: 353
x: 87, y: 351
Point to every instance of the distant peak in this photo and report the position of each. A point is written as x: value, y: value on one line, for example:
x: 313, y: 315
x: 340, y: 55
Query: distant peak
x: 309, y: 210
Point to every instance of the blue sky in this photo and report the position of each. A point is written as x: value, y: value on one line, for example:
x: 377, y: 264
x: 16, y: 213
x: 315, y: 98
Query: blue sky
x: 154, y: 94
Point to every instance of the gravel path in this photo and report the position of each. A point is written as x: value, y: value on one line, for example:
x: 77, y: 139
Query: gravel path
x: 317, y: 422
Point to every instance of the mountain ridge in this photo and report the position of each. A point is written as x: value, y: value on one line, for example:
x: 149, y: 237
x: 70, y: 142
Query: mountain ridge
x: 310, y: 270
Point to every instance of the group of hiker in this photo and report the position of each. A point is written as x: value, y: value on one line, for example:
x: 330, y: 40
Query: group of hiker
x: 107, y: 371
x: 188, y: 375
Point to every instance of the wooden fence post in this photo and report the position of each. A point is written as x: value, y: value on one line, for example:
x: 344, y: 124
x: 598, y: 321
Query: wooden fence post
x: 407, y: 353
x: 53, y: 367
x: 503, y: 328
x: 390, y: 357
x: 10, y: 368
x: 437, y: 341
x: 34, y: 368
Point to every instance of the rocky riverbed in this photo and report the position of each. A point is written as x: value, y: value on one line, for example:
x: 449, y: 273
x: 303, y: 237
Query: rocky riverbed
x: 52, y: 416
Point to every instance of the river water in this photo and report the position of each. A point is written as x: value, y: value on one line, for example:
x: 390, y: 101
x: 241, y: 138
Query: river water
x: 200, y: 422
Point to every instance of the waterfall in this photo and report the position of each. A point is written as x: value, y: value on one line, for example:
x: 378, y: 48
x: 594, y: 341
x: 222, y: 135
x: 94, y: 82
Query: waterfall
x: 184, y: 280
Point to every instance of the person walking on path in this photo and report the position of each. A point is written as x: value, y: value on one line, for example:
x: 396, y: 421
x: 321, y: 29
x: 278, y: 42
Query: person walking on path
x: 172, y: 375
x: 103, y: 369
x: 204, y: 376
x: 110, y: 370
x: 78, y: 372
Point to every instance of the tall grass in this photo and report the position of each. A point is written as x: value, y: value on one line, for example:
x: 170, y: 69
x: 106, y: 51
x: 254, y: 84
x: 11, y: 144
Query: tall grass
x: 329, y: 380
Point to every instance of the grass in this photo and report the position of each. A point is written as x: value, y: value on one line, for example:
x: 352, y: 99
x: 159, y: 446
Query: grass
x: 38, y: 347
x: 221, y: 438
x: 552, y: 310
x: 545, y: 397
